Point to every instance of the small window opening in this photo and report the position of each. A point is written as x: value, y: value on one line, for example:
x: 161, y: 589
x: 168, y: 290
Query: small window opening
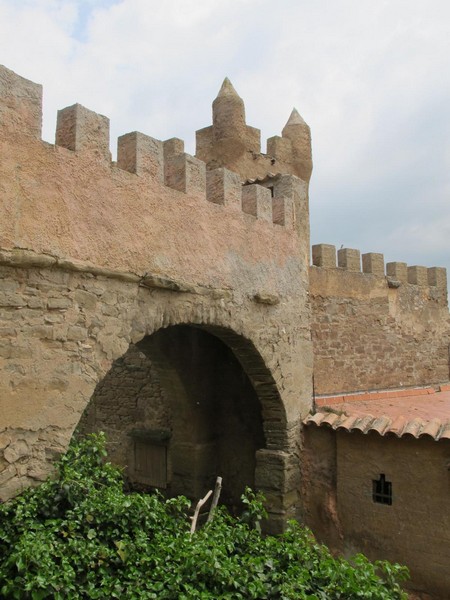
x: 382, y: 490
x: 270, y: 187
x: 149, y: 458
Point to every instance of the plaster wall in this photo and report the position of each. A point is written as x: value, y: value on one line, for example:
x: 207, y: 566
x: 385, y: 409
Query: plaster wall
x: 407, y: 531
x: 338, y: 471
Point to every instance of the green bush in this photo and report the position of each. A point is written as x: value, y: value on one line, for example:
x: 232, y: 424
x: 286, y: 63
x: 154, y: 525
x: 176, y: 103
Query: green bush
x: 79, y: 535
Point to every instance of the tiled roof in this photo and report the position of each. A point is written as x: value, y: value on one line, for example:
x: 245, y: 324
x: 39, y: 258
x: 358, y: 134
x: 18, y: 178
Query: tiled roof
x: 422, y: 412
x: 264, y: 178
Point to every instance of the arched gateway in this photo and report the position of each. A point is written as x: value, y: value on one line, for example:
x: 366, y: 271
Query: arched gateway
x: 158, y: 298
x: 184, y: 405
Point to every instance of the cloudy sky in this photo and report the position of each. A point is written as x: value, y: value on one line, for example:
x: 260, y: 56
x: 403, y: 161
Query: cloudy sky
x: 371, y: 77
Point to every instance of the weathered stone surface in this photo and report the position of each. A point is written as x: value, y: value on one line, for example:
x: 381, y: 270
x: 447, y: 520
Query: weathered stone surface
x: 368, y: 334
x: 121, y: 258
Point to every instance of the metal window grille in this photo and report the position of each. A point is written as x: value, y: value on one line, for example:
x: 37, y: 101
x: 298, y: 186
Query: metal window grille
x: 382, y: 490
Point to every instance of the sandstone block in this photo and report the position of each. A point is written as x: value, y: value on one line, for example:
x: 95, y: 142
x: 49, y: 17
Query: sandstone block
x: 437, y: 276
x: 80, y: 129
x: 173, y: 147
x: 324, y: 255
x: 20, y: 104
x: 223, y: 187
x: 141, y: 154
x: 418, y: 275
x: 59, y: 303
x: 397, y: 270
x: 16, y: 450
x: 349, y: 259
x: 186, y: 174
x: 257, y: 201
x: 373, y: 263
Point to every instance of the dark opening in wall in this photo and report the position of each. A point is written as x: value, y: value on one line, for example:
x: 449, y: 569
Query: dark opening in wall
x: 382, y: 490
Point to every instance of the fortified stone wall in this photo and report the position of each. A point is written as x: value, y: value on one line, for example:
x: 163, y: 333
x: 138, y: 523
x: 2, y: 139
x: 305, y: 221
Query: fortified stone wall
x: 97, y: 255
x: 375, y: 329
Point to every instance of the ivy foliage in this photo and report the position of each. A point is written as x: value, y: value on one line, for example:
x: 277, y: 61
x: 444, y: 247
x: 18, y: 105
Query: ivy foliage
x: 79, y: 535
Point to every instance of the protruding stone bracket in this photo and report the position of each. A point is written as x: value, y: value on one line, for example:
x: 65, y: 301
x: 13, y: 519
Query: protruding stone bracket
x: 263, y: 298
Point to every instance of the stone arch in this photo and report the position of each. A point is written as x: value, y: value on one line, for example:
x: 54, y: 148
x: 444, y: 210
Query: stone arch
x: 242, y: 433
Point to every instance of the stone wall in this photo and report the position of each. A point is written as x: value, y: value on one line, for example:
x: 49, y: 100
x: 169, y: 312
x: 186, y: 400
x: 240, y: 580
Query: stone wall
x: 97, y: 255
x: 372, y: 330
x: 130, y: 396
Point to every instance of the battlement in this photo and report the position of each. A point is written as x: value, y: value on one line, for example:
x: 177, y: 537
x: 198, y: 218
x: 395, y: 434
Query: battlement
x: 230, y: 142
x: 73, y: 196
x: 372, y: 263
x: 81, y: 130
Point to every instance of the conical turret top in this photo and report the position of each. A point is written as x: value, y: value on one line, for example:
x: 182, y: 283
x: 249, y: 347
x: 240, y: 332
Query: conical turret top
x: 227, y: 89
x: 295, y: 118
x: 228, y: 112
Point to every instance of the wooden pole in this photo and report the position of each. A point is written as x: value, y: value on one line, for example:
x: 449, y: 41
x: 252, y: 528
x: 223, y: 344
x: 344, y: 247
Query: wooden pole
x: 200, y: 503
x: 215, y: 500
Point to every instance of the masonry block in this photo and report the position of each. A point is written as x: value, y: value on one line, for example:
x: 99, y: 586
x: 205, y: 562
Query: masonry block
x: 185, y: 173
x: 373, y: 263
x: 324, y: 255
x: 283, y: 211
x: 80, y: 129
x: 20, y: 103
x: 296, y: 190
x: 437, y: 276
x: 397, y: 270
x: 173, y: 147
x: 349, y: 259
x: 418, y: 275
x: 257, y: 201
x: 141, y: 154
x: 224, y: 187
x: 280, y: 148
x: 204, y: 143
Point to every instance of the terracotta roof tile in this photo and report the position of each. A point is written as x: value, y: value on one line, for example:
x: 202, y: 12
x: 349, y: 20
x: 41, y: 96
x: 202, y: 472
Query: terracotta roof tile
x: 421, y: 412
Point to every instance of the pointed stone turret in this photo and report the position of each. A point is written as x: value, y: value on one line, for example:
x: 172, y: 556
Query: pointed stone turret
x: 229, y: 141
x: 298, y: 132
x: 228, y: 112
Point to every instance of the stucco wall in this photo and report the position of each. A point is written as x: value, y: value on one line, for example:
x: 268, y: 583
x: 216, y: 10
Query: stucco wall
x: 415, y: 529
x: 338, y: 503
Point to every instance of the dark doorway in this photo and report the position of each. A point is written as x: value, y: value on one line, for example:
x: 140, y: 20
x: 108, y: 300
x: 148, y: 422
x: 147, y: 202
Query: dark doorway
x: 178, y: 409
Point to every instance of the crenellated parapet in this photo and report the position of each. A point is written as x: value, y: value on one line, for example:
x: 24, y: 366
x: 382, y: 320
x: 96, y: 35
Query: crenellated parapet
x: 395, y: 274
x: 230, y: 142
x: 87, y: 134
x: 376, y: 326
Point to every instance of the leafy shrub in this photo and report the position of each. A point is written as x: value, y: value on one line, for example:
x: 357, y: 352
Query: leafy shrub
x: 79, y: 535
